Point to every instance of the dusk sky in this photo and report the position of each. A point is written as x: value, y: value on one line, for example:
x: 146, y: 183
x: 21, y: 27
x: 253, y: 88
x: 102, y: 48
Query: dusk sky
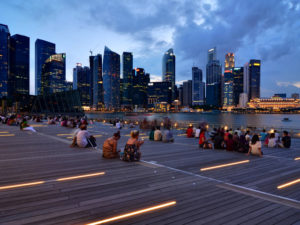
x: 268, y: 30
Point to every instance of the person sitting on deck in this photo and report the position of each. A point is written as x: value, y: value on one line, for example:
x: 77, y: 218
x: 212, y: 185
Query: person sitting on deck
x: 203, y: 143
x: 272, y: 141
x: 157, y: 134
x: 229, y: 143
x: 197, y: 133
x: 255, y: 146
x: 190, y: 132
x: 285, y: 141
x: 109, y: 148
x: 243, y: 145
x: 219, y: 141
x: 263, y: 136
x: 24, y: 126
x: 151, y: 135
x: 132, y: 148
x: 84, y: 139
x: 168, y: 135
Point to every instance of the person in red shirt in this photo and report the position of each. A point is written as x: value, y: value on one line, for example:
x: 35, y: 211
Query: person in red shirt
x: 230, y: 143
x: 202, y: 141
x: 190, y: 132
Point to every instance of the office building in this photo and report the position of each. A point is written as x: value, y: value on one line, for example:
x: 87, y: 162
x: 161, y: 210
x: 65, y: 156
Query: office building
x: 213, y: 80
x: 54, y: 74
x: 97, y: 82
x: 159, y: 93
x: 198, y: 89
x: 274, y: 103
x: 295, y: 96
x: 43, y: 50
x: 228, y: 88
x: 91, y: 61
x: 229, y: 61
x: 18, y: 79
x: 246, y: 79
x: 4, y: 59
x: 187, y: 93
x: 69, y: 85
x: 243, y: 100
x: 140, y: 86
x: 180, y: 94
x: 168, y: 69
x: 252, y: 79
x: 82, y: 83
x: 212, y: 54
x: 238, y: 83
x: 127, y: 61
x: 280, y: 95
x: 111, y: 79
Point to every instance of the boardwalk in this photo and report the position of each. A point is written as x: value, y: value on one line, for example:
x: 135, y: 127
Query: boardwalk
x: 245, y: 193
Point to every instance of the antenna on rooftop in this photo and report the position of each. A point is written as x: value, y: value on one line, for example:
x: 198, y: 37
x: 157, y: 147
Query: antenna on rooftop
x: 91, y: 52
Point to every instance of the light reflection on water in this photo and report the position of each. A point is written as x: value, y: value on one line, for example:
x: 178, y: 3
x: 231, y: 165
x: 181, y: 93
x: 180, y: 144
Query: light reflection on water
x: 230, y: 119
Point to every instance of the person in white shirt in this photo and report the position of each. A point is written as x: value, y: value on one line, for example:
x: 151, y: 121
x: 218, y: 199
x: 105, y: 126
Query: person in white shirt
x: 272, y: 141
x: 118, y: 125
x: 157, y: 134
x: 255, y: 146
x: 84, y: 139
x: 238, y: 131
x: 197, y: 133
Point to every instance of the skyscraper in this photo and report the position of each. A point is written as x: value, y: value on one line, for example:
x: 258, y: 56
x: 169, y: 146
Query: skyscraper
x: 43, y: 50
x: 91, y: 59
x: 254, y: 72
x: 228, y: 88
x: 111, y: 79
x: 213, y: 80
x: 140, y: 86
x: 19, y: 65
x: 97, y: 82
x: 238, y: 83
x: 82, y: 83
x: 198, y: 89
x: 187, y: 93
x: 54, y: 74
x: 229, y: 61
x: 246, y: 80
x: 168, y: 69
x: 159, y: 92
x: 212, y: 54
x: 127, y: 61
x: 4, y: 59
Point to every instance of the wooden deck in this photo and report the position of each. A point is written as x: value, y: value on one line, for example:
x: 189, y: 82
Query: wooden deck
x: 241, y: 194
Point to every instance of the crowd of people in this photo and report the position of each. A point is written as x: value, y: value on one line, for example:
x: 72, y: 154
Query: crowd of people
x: 237, y: 140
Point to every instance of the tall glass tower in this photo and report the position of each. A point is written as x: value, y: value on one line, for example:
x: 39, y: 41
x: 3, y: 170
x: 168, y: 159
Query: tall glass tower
x: 111, y: 79
x: 19, y: 65
x: 127, y: 78
x: 198, y: 92
x: 254, y: 74
x: 54, y: 74
x: 97, y: 82
x: 238, y: 83
x: 4, y: 59
x: 82, y: 83
x: 43, y: 50
x: 213, y: 80
x: 229, y: 61
x: 168, y: 69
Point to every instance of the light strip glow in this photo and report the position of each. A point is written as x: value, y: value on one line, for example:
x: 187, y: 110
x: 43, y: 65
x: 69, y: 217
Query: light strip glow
x: 21, y: 185
x: 64, y: 134
x: 6, y: 135
x: 80, y: 176
x: 224, y: 165
x: 98, y: 135
x: 288, y: 184
x: 38, y: 125
x: 298, y: 158
x: 4, y: 132
x: 133, y: 213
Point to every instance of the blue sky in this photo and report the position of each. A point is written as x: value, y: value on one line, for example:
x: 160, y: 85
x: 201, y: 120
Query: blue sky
x: 253, y: 29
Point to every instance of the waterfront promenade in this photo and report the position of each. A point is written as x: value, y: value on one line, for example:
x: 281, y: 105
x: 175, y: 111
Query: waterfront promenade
x: 77, y: 186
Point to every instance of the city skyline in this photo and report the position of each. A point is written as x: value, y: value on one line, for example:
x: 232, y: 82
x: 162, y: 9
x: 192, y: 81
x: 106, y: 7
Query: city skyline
x: 246, y: 38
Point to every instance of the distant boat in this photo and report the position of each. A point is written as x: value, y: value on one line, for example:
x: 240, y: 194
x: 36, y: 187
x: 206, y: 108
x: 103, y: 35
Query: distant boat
x: 286, y: 119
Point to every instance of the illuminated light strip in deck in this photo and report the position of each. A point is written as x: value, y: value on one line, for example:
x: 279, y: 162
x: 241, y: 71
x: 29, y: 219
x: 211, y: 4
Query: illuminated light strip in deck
x: 6, y: 135
x: 134, y: 213
x: 298, y: 158
x: 98, y: 135
x: 64, y: 134
x: 4, y: 132
x: 224, y: 165
x: 288, y: 184
x: 21, y: 185
x: 38, y: 125
x: 80, y: 176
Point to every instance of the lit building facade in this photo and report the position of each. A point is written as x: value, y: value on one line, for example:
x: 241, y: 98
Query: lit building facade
x: 168, y: 69
x: 198, y: 89
x: 295, y: 96
x: 111, y: 79
x: 4, y: 59
x: 229, y: 61
x: 91, y: 61
x: 228, y: 88
x: 238, y: 83
x: 280, y: 95
x: 19, y: 65
x: 159, y: 92
x: 254, y: 74
x: 82, y: 83
x: 127, y: 61
x: 274, y: 103
x: 187, y: 93
x: 213, y: 80
x: 43, y: 50
x: 140, y: 86
x: 97, y: 82
x: 54, y: 74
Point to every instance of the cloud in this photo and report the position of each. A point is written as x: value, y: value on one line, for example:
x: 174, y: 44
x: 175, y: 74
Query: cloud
x: 155, y: 78
x: 287, y: 84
